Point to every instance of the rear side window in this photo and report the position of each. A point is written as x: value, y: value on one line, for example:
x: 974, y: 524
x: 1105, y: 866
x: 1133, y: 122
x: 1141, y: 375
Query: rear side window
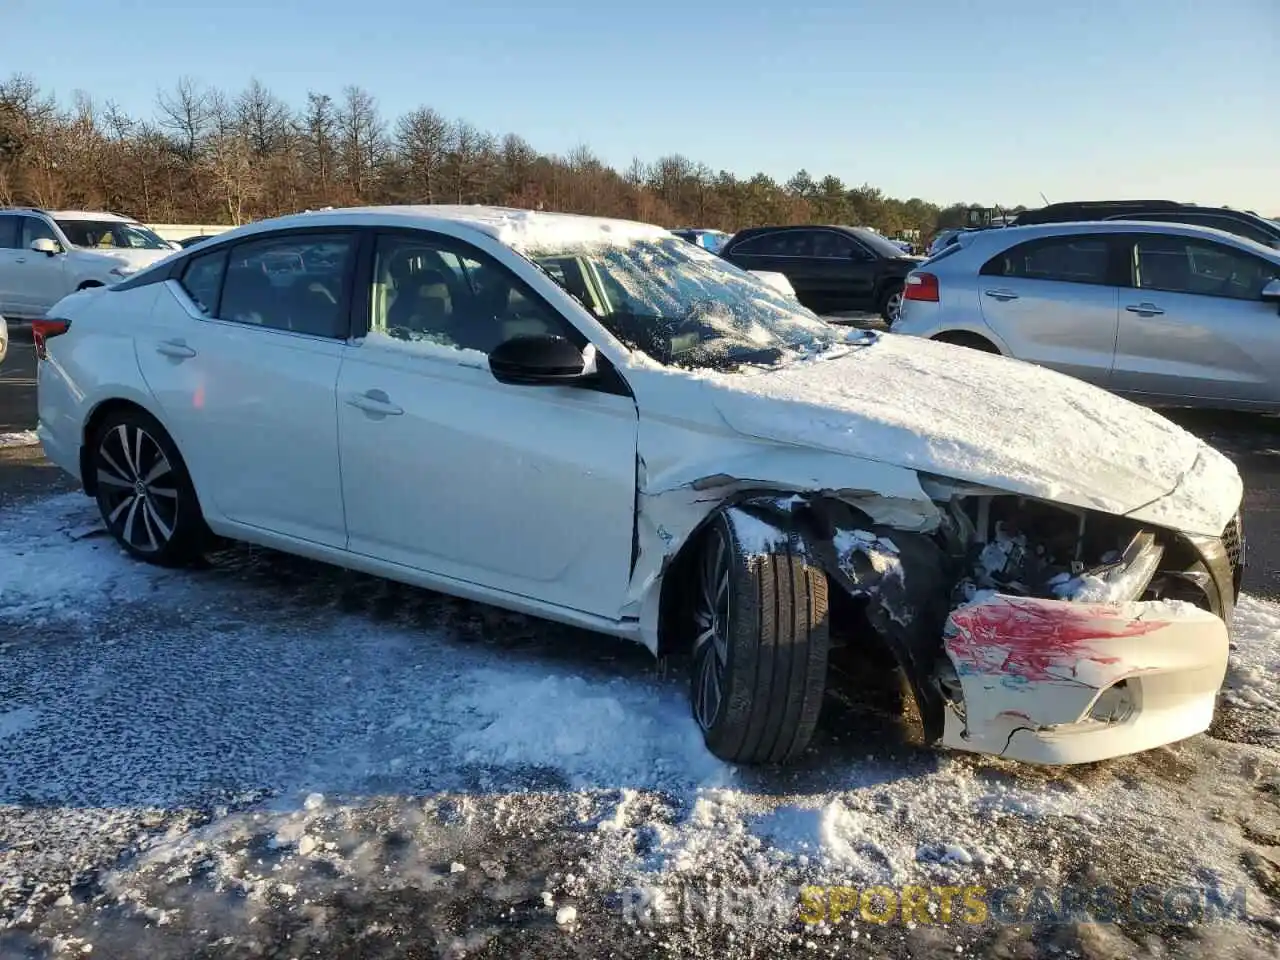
x: 295, y: 283
x: 8, y: 232
x: 766, y: 245
x: 1063, y: 259
x: 202, y: 279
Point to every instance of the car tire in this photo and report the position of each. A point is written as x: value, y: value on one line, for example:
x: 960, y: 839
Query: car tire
x: 891, y: 304
x: 759, y: 666
x: 971, y: 340
x: 144, y: 491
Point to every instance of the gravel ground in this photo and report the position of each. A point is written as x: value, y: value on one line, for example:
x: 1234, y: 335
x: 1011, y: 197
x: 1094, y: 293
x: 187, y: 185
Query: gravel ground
x: 271, y: 757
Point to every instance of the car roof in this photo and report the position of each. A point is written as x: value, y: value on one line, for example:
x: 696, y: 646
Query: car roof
x: 1005, y: 237
x: 86, y: 215
x: 522, y: 229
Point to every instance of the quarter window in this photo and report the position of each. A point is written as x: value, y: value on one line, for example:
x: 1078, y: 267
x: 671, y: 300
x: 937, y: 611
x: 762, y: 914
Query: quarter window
x: 434, y: 292
x: 1182, y: 265
x: 202, y: 279
x: 295, y: 283
x: 1064, y: 259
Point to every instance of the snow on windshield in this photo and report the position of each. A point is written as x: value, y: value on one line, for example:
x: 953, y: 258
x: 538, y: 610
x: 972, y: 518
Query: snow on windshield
x: 683, y: 306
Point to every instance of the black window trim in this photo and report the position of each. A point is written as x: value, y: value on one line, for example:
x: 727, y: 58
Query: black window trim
x: 1114, y: 242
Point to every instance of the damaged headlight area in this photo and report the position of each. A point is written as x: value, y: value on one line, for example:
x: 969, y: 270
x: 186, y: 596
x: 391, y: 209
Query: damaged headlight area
x: 1028, y: 548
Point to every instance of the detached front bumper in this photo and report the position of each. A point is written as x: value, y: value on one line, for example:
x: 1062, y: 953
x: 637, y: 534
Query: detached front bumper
x: 1056, y: 682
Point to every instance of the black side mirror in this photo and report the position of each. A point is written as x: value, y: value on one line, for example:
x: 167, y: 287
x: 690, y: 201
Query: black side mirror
x: 537, y: 359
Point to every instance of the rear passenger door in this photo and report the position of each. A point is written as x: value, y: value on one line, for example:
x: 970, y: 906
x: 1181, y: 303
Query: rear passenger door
x: 1054, y: 301
x: 10, y: 253
x: 1193, y: 325
x: 242, y: 353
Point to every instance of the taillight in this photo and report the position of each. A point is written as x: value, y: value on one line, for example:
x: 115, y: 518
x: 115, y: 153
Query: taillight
x: 42, y: 330
x: 921, y: 286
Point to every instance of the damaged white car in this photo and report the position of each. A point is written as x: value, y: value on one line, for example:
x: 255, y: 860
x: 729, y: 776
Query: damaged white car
x: 595, y: 422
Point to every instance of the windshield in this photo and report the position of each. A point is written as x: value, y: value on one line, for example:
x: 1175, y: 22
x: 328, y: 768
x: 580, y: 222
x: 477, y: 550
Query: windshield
x: 878, y: 244
x: 111, y: 234
x: 685, y: 307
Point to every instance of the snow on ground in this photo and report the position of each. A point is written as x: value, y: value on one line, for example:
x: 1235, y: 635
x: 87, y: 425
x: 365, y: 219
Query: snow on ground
x: 273, y: 745
x: 23, y: 438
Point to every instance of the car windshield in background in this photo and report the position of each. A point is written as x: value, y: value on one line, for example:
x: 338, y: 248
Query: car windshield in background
x: 878, y: 244
x: 111, y: 235
x: 685, y: 307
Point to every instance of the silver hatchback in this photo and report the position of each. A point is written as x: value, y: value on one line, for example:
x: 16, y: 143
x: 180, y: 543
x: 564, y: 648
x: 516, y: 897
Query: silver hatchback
x: 1166, y: 314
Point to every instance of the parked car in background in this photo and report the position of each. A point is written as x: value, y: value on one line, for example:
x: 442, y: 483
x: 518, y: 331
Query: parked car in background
x: 754, y: 484
x: 713, y: 240
x: 44, y: 255
x: 192, y: 241
x: 832, y: 268
x: 1242, y: 223
x: 1162, y: 313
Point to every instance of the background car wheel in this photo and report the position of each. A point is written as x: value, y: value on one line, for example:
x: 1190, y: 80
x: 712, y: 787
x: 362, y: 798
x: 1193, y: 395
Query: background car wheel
x: 891, y: 304
x: 971, y: 340
x: 144, y: 492
x: 759, y: 665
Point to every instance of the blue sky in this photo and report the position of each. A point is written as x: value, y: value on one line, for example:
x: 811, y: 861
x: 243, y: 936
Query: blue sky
x: 975, y: 100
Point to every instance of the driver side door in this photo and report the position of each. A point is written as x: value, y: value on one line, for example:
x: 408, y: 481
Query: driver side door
x: 527, y: 490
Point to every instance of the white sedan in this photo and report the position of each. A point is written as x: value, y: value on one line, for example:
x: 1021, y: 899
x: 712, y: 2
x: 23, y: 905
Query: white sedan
x: 595, y: 422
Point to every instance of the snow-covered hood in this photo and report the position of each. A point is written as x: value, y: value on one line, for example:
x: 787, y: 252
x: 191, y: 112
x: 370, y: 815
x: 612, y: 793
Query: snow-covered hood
x: 976, y: 417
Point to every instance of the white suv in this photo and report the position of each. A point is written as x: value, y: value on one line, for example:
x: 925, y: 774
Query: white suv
x: 46, y: 255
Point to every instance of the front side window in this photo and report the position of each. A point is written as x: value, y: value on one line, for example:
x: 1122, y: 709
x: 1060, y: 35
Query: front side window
x: 33, y: 229
x: 1064, y: 259
x: 833, y: 246
x: 111, y: 235
x: 438, y: 293
x: 295, y: 283
x: 685, y: 307
x: 1184, y: 265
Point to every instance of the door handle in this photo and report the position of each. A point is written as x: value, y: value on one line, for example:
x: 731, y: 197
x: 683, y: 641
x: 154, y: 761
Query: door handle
x: 1144, y: 309
x: 20, y: 260
x: 1001, y: 295
x: 375, y: 403
x: 175, y: 349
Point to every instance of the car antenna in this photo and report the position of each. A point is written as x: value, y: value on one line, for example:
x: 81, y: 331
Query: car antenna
x: 1045, y: 199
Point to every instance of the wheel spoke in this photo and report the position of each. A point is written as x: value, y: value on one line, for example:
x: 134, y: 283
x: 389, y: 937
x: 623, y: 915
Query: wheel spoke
x: 708, y: 634
x: 137, y: 451
x: 123, y: 474
x: 146, y: 525
x: 123, y: 433
x: 167, y: 492
x: 159, y: 470
x: 154, y: 516
x: 120, y: 508
x: 111, y: 480
x: 130, y: 519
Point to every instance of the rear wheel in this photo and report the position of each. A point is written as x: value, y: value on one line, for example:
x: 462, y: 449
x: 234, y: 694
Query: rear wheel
x: 891, y: 304
x: 143, y: 490
x: 759, y: 664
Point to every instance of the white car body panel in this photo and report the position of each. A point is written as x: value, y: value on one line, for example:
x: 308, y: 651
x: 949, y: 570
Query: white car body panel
x: 534, y: 498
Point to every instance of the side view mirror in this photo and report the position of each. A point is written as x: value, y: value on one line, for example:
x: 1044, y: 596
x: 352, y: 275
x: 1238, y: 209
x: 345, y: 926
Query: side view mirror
x: 46, y: 246
x: 1271, y: 292
x: 538, y: 360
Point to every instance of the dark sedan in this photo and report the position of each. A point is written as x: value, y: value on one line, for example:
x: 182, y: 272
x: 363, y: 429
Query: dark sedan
x: 831, y: 268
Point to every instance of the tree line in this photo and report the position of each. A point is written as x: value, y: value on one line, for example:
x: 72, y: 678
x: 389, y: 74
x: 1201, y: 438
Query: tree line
x: 208, y: 156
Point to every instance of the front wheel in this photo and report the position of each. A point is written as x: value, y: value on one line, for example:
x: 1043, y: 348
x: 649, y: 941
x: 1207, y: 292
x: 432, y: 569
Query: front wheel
x: 759, y: 665
x: 891, y: 304
x: 144, y: 492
